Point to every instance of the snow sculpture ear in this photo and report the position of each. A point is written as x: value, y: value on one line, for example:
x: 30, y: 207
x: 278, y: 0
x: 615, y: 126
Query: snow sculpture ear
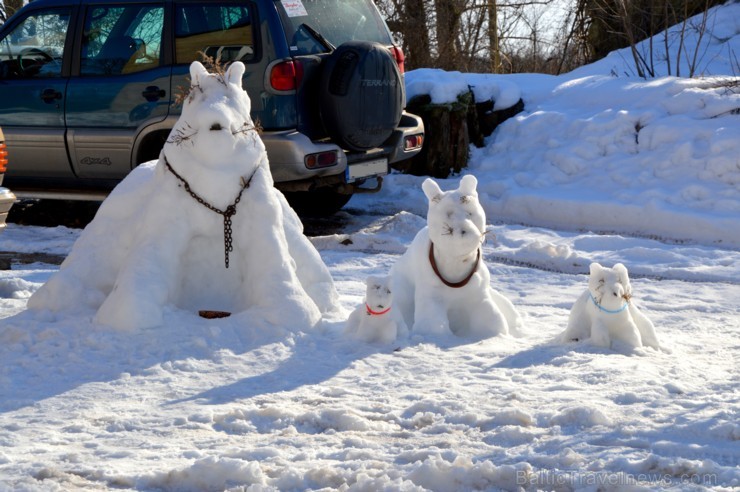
x: 431, y: 190
x: 234, y: 73
x: 598, y: 276
x: 597, y: 279
x: 623, y: 276
x: 595, y: 269
x: 197, y: 72
x: 468, y: 184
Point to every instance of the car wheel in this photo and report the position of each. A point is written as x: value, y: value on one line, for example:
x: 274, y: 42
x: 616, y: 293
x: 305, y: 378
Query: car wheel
x: 319, y: 203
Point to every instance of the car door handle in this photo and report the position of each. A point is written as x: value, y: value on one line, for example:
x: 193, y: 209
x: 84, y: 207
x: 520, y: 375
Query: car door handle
x: 153, y: 93
x: 50, y: 95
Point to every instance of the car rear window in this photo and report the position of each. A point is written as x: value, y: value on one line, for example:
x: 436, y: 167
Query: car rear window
x: 338, y: 21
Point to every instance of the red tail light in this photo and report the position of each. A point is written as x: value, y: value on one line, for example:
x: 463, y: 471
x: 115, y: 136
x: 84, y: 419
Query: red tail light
x: 286, y: 76
x: 3, y: 157
x: 321, y: 159
x: 412, y: 142
x: 400, y: 58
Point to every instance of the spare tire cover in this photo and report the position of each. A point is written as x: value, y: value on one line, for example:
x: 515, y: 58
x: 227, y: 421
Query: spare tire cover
x: 362, y: 95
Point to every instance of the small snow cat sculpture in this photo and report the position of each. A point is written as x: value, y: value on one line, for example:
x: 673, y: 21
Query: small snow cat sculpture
x: 606, y: 312
x: 374, y: 321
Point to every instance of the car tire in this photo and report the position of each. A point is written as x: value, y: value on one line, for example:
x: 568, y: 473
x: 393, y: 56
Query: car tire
x: 319, y: 203
x: 361, y: 95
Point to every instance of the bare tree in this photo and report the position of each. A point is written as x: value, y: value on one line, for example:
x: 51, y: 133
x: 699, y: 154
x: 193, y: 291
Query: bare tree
x: 448, y: 28
x: 574, y: 48
x: 408, y: 20
x: 8, y: 8
x: 480, y: 35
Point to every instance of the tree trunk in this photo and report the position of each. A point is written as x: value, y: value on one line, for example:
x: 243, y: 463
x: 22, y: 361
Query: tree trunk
x: 449, y: 130
x: 446, y: 138
x: 11, y: 7
x: 493, y: 37
x: 416, y: 35
x: 448, y: 27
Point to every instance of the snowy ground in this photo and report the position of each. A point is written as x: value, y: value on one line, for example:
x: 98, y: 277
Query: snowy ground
x: 214, y: 405
x: 207, y: 405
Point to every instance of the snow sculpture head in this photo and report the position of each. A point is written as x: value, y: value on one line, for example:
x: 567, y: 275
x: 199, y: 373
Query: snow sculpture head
x: 456, y: 219
x: 215, y: 120
x: 378, y: 295
x: 610, y: 287
x: 202, y: 230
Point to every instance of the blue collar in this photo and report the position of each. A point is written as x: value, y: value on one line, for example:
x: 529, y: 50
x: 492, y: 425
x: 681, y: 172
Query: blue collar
x: 609, y: 311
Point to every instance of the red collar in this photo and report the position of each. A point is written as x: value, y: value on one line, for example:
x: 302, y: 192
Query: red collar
x: 370, y: 311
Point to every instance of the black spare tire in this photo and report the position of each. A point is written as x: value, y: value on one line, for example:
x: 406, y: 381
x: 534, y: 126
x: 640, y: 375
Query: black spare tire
x: 362, y: 95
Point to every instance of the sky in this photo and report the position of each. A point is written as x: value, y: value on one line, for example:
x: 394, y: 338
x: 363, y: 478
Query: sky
x: 598, y: 168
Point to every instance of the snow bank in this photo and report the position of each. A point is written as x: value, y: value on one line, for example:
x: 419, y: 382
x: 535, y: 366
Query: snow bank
x: 604, y: 153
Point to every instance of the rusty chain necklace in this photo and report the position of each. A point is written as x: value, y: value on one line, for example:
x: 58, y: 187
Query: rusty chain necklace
x: 227, y: 214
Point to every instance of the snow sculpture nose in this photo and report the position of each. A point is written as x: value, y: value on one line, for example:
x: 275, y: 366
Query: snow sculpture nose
x: 467, y: 229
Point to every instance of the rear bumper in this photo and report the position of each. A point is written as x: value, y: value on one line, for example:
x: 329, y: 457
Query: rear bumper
x: 7, y: 199
x: 287, y: 150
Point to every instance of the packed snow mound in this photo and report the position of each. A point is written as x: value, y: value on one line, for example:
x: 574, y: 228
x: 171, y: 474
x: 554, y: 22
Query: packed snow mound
x: 444, y: 87
x: 203, y: 228
x: 440, y: 283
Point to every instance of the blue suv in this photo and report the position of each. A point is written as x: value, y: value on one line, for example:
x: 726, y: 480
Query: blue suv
x: 89, y: 88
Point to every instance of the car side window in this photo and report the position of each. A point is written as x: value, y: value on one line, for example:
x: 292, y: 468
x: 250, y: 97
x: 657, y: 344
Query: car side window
x: 121, y: 39
x: 34, y: 49
x: 222, y: 31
